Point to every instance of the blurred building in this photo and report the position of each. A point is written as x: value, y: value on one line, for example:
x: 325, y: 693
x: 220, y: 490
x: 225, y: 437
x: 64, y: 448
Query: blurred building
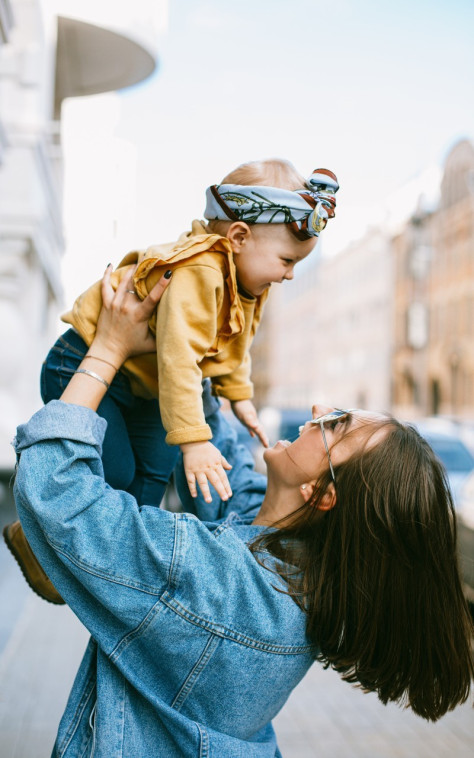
x: 327, y: 335
x: 433, y: 360
x: 50, y: 50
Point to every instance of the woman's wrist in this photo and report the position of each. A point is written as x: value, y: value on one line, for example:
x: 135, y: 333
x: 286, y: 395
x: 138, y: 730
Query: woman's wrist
x: 104, y: 369
x: 92, y: 378
x: 106, y: 353
x: 101, y: 360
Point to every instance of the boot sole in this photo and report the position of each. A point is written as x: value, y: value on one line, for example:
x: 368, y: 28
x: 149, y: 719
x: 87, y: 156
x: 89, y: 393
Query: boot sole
x: 12, y: 550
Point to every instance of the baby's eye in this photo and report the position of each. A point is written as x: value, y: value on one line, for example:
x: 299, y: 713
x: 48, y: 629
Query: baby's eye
x: 287, y: 260
x: 333, y: 424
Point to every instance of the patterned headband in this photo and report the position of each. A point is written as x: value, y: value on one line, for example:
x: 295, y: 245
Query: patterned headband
x: 306, y: 211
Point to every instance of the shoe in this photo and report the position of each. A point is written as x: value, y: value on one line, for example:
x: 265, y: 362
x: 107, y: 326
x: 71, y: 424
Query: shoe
x: 19, y: 547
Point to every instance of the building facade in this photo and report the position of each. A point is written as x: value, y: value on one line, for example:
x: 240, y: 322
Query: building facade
x: 433, y: 360
x: 49, y: 50
x: 327, y: 334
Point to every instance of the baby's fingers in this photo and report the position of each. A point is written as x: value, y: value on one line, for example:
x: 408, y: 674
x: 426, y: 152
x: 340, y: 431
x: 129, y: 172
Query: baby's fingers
x: 225, y: 463
x: 219, y: 481
x: 255, y: 429
x: 225, y: 481
x: 260, y: 432
x: 204, y: 487
x: 191, y: 480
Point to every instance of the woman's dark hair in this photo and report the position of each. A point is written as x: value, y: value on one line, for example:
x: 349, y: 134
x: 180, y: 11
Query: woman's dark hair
x: 378, y: 575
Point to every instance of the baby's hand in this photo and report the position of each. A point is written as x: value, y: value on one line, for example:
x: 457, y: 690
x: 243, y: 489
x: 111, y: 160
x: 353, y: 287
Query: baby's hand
x: 203, y: 462
x: 245, y: 411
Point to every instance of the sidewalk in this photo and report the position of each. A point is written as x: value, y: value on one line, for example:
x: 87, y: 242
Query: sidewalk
x: 328, y: 718
x: 41, y: 646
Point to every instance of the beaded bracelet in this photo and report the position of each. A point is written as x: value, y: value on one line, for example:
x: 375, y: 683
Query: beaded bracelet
x: 93, y: 375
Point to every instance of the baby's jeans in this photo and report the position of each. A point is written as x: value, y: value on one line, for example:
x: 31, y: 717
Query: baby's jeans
x: 135, y: 455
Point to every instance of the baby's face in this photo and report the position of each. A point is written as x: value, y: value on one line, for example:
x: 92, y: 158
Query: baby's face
x: 269, y: 255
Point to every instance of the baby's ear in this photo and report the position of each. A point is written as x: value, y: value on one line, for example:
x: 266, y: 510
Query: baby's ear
x: 238, y: 233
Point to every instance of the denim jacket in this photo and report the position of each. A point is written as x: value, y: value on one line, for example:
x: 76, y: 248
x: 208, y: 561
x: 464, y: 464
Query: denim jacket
x: 193, y: 649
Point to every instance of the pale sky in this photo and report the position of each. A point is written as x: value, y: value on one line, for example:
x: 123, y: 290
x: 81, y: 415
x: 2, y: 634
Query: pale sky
x: 376, y: 90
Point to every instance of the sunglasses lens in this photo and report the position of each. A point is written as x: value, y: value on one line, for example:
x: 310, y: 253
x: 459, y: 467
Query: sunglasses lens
x: 325, y: 418
x: 330, y: 417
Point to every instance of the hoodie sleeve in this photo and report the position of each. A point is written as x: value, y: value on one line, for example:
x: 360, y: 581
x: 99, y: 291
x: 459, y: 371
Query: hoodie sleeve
x: 187, y: 328
x: 237, y: 384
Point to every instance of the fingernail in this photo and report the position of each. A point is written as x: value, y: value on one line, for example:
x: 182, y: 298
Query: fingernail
x: 108, y: 266
x: 168, y: 274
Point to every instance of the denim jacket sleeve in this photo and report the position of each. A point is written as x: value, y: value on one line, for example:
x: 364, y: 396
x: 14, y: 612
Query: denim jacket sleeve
x: 99, y: 548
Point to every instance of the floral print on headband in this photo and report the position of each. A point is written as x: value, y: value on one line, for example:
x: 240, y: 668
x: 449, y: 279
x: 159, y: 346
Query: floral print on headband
x: 306, y: 211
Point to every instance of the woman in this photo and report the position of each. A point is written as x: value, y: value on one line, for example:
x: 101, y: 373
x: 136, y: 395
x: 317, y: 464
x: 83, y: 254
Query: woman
x: 201, y: 630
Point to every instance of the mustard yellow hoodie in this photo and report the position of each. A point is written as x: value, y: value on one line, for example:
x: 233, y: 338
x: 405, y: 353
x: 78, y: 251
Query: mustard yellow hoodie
x: 204, y: 328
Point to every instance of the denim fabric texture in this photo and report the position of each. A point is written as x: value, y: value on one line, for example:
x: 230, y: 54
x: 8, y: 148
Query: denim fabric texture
x: 193, y: 649
x: 135, y: 455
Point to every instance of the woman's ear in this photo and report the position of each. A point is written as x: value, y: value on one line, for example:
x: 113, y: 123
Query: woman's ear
x: 238, y: 234
x: 328, y: 500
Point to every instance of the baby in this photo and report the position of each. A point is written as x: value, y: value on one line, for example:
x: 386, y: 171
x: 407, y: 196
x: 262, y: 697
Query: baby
x: 262, y: 220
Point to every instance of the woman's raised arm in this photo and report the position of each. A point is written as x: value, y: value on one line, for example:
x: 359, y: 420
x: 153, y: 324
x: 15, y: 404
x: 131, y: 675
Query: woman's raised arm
x: 122, y: 331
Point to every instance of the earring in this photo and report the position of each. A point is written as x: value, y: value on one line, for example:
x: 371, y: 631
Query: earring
x: 303, y: 486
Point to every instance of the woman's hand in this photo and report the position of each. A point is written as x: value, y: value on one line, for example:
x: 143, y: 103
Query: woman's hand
x: 122, y: 328
x: 204, y: 463
x: 245, y: 411
x: 122, y: 331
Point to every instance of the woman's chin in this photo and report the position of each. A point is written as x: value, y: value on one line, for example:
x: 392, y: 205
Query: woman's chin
x: 276, y: 448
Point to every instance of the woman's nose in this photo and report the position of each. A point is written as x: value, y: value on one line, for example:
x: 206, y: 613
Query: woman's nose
x: 320, y: 410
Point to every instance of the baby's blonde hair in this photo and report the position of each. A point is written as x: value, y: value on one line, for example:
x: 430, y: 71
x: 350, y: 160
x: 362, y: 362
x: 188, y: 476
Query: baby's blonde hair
x: 272, y: 172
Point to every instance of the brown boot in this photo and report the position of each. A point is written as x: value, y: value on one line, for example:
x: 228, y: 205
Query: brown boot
x: 18, y: 545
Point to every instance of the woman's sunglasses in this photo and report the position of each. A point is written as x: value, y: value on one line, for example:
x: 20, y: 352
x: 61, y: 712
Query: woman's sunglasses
x: 336, y: 415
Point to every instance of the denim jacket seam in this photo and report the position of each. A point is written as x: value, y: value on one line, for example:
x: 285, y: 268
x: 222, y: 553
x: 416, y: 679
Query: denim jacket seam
x: 95, y: 571
x: 222, y: 630
x: 179, y: 549
x: 203, y: 742
x: 196, y: 671
x: 76, y: 717
x: 151, y: 614
x: 137, y: 631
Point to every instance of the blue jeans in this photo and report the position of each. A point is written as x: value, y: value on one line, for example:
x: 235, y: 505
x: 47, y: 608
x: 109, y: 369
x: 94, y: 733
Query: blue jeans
x: 135, y: 455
